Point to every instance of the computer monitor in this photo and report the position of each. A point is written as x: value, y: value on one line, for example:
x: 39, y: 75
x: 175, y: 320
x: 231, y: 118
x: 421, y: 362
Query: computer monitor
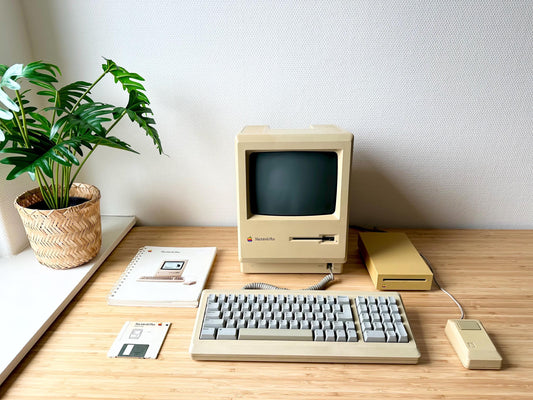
x: 293, y: 190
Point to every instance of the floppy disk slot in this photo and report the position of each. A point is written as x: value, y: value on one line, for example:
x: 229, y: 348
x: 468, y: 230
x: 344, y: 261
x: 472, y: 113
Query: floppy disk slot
x: 324, y: 238
x: 404, y: 280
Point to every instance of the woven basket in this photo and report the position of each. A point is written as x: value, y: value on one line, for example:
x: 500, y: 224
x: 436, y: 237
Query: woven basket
x: 67, y: 237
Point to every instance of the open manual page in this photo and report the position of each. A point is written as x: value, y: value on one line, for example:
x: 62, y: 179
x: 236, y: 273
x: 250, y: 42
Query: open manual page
x: 164, y: 277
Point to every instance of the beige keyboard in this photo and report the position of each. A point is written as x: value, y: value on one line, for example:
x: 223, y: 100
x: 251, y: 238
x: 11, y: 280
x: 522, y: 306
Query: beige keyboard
x: 303, y: 326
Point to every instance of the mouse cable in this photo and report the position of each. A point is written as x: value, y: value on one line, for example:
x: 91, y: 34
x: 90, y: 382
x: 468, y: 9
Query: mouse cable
x: 319, y: 286
x: 440, y: 287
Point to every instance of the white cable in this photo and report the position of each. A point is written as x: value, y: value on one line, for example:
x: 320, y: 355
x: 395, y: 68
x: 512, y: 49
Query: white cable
x: 438, y: 285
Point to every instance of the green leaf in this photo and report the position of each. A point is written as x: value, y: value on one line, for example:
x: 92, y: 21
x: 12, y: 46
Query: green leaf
x: 127, y: 79
x: 90, y: 117
x: 138, y: 111
x: 109, y: 141
x: 67, y: 96
x: 87, y: 118
x: 27, y: 160
x: 38, y: 124
x: 40, y: 72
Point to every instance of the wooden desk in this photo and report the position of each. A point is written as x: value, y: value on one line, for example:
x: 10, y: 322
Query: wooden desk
x: 490, y: 272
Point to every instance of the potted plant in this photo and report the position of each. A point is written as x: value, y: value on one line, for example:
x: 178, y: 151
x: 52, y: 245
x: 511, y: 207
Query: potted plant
x: 52, y: 144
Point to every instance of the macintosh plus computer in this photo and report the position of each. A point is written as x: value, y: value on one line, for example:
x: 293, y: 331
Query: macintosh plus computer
x: 293, y: 188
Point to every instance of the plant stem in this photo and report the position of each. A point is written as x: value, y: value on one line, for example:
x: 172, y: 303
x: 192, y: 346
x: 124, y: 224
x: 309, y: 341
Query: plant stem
x: 24, y: 127
x: 95, y: 146
x: 55, y: 106
x: 6, y: 129
x: 54, y: 186
x: 89, y: 89
x: 45, y: 189
x: 66, y: 186
x: 115, y: 123
x: 82, y: 164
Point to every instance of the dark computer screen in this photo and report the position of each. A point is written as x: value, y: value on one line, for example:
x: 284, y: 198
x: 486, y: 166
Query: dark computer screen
x: 292, y: 183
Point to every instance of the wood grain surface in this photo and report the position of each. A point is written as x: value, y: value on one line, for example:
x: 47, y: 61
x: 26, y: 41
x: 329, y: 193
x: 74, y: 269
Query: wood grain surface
x: 489, y: 272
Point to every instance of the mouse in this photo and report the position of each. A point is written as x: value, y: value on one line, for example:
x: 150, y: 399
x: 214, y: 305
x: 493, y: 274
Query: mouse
x: 472, y: 344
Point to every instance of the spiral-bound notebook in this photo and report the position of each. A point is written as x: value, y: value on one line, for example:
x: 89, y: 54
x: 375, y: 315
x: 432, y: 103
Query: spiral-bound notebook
x: 164, y: 277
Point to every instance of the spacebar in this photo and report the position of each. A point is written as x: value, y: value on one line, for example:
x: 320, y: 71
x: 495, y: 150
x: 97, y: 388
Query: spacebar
x: 275, y: 334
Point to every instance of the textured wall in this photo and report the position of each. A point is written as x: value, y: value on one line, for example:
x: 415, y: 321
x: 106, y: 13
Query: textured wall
x: 12, y: 50
x: 437, y: 93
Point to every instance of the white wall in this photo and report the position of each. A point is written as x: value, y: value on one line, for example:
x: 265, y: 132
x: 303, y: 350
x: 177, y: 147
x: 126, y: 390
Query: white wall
x: 14, y: 47
x: 438, y: 95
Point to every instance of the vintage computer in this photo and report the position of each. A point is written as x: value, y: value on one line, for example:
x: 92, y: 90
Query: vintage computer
x: 293, y: 188
x: 293, y: 218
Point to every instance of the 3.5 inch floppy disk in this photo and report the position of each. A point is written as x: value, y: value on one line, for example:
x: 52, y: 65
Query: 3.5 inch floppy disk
x: 139, y: 339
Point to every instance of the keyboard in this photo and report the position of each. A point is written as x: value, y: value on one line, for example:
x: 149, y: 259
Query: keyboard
x: 303, y: 326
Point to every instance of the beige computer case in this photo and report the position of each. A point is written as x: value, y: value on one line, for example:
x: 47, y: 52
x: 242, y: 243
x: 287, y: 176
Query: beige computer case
x: 270, y: 244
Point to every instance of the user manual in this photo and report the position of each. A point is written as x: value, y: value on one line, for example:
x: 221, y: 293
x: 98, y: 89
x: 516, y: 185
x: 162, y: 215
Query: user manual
x: 164, y: 277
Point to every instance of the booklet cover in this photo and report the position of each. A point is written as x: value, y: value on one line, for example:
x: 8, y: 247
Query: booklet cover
x: 164, y: 277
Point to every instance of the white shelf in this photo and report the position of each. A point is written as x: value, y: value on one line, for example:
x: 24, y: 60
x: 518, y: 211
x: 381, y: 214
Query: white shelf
x: 32, y: 295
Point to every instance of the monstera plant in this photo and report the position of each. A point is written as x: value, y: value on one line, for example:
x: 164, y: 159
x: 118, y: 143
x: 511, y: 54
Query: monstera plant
x: 53, y: 143
x: 50, y: 132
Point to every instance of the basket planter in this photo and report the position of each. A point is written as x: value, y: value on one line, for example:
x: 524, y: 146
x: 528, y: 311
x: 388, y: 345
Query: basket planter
x: 67, y: 237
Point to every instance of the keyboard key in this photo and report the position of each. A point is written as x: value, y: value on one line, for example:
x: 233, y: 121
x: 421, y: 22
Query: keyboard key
x: 340, y: 335
x: 343, y: 300
x: 275, y: 334
x: 213, y: 314
x: 227, y: 334
x: 364, y: 317
x: 373, y: 336
x: 391, y: 336
x: 319, y: 335
x: 231, y: 323
x: 401, y: 332
x: 214, y: 323
x: 213, y: 307
x: 396, y: 317
x: 366, y: 326
x: 344, y: 316
x: 208, y: 333
x: 329, y: 335
x: 352, y: 335
x: 251, y: 324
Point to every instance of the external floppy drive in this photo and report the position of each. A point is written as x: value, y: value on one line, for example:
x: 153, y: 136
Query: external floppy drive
x: 393, y: 262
